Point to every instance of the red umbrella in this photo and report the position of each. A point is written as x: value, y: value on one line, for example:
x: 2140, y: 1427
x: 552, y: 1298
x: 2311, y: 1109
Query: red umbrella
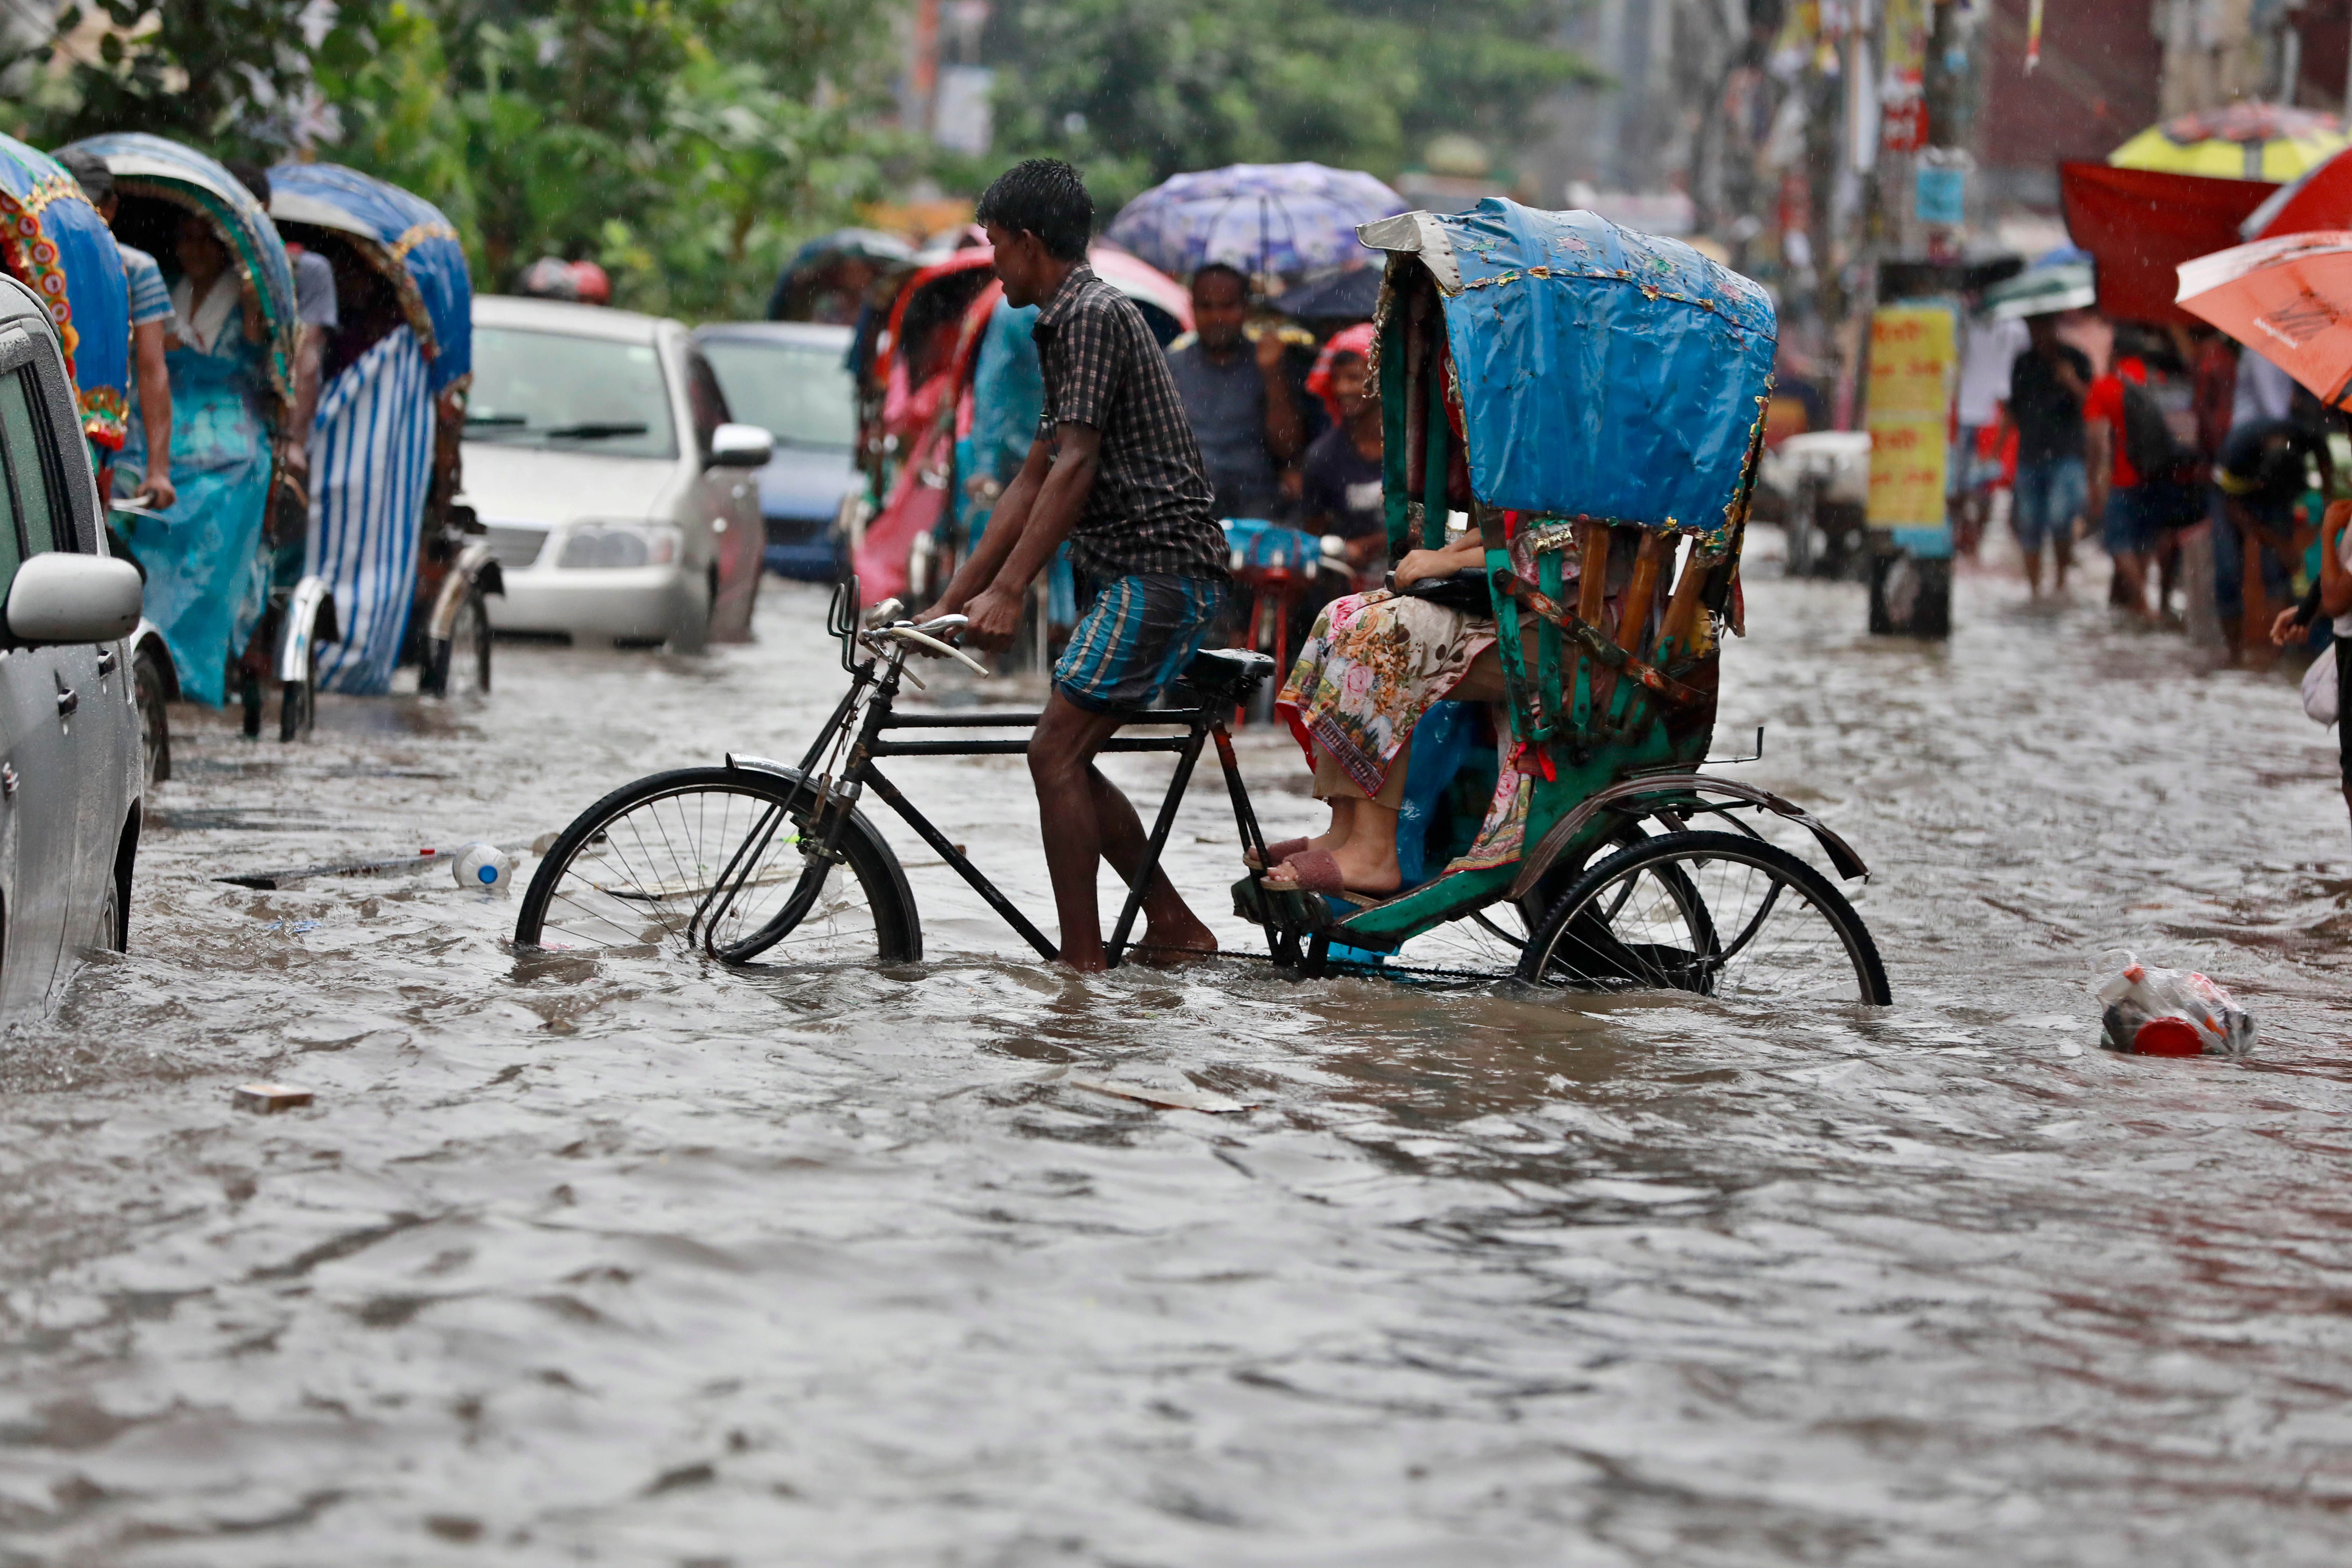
x: 2289, y: 300
x: 2141, y: 223
x: 2320, y: 199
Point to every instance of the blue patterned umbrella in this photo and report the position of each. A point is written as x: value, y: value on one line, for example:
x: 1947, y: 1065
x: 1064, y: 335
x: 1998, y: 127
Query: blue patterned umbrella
x: 1285, y: 218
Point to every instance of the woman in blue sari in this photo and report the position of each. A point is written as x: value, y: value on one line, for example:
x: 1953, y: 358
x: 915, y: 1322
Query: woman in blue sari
x: 207, y: 580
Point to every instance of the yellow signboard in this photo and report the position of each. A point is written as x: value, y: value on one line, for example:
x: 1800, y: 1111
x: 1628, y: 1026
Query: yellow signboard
x: 1912, y: 367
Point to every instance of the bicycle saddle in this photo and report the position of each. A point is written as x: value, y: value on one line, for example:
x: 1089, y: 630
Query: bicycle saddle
x: 1227, y: 675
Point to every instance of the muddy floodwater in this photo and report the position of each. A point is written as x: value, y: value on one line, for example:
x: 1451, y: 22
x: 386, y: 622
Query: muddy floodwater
x: 650, y: 1262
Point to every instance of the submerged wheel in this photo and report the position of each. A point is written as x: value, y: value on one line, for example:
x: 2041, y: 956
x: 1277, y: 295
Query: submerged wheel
x: 148, y: 685
x: 1715, y: 914
x: 297, y: 700
x: 459, y: 664
x: 713, y: 860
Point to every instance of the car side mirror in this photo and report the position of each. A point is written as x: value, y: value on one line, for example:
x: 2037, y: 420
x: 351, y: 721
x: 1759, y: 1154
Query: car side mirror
x: 741, y: 446
x: 59, y: 597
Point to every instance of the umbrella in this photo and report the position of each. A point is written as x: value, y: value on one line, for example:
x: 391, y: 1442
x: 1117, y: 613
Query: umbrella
x: 1346, y: 296
x: 2289, y: 300
x: 2041, y: 290
x: 1285, y: 218
x: 1141, y: 282
x: 2141, y: 223
x: 2322, y: 198
x: 2237, y: 141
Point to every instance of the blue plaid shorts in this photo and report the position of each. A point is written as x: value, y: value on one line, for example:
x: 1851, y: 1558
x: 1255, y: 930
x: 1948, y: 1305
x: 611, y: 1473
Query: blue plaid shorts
x: 1137, y: 635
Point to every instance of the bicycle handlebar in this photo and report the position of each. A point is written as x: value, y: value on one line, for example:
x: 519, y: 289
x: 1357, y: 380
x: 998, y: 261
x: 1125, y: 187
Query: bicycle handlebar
x: 906, y: 633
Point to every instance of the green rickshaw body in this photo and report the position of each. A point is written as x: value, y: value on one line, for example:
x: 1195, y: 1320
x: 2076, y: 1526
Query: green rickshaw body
x: 1568, y: 383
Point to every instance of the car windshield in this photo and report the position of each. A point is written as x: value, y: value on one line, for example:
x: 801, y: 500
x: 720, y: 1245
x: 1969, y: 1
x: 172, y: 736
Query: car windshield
x: 800, y: 392
x: 566, y: 393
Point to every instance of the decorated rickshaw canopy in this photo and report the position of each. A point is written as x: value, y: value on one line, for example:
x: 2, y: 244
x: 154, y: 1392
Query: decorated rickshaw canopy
x: 145, y: 165
x: 404, y: 237
x: 56, y: 242
x: 1603, y: 374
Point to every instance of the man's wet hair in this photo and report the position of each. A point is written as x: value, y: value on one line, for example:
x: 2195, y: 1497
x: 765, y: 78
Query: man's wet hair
x: 253, y: 177
x: 90, y: 173
x: 1044, y: 196
x: 1223, y: 270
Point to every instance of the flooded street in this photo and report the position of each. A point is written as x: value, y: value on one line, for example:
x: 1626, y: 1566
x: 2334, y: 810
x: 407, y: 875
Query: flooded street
x: 654, y: 1263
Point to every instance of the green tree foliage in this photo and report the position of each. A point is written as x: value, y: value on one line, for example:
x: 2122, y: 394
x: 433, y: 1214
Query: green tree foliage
x: 1138, y: 89
x: 225, y: 74
x: 687, y: 145
x: 684, y: 144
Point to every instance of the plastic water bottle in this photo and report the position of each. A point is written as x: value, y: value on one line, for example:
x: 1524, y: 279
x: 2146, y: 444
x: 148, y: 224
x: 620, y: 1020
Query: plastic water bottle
x: 484, y: 867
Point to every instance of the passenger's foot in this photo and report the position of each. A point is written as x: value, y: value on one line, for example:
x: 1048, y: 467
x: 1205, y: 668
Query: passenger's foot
x: 1334, y: 871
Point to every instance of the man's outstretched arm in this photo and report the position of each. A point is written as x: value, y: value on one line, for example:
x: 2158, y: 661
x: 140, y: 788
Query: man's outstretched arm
x: 1007, y: 524
x: 996, y: 612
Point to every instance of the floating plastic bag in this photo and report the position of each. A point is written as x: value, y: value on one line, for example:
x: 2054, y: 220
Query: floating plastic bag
x: 2167, y: 1012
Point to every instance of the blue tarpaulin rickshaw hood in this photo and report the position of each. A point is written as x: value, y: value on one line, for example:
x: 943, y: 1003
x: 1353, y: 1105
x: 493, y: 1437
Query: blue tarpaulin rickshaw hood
x: 408, y: 233
x: 136, y: 158
x: 56, y: 244
x: 1603, y: 374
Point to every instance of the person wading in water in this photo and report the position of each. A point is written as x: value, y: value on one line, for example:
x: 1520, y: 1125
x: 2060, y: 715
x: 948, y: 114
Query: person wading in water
x: 1114, y: 470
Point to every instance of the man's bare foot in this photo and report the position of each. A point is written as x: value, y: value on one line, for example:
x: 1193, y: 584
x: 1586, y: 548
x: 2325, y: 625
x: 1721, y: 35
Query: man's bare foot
x: 1167, y: 948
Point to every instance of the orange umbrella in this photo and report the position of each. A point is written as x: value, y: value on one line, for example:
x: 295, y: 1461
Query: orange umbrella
x: 2289, y: 300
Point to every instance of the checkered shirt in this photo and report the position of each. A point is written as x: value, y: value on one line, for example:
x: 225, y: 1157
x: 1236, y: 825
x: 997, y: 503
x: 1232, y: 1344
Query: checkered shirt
x: 1149, y: 510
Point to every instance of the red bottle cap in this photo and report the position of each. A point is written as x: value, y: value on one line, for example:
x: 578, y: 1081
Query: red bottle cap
x: 2167, y: 1038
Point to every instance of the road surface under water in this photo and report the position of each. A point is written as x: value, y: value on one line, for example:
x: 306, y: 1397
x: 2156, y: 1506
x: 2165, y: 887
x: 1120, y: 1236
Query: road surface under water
x: 654, y: 1263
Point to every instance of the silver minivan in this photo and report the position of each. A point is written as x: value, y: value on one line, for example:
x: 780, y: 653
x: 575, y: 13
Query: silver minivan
x: 71, y: 769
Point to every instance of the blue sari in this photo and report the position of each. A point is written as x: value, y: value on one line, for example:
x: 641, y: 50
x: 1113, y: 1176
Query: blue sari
x: 207, y: 579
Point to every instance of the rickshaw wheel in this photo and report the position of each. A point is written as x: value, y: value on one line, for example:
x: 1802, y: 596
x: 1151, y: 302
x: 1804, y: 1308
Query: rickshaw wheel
x: 147, y: 686
x: 711, y: 860
x: 1715, y: 914
x: 459, y: 664
x: 297, y: 700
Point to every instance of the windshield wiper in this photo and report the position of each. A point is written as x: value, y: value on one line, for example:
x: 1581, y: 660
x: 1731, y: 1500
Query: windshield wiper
x: 472, y: 419
x: 597, y: 429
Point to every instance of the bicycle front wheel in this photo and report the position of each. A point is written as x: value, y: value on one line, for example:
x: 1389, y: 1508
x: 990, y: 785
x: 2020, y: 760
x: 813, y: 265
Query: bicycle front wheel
x: 721, y: 861
x: 1715, y: 914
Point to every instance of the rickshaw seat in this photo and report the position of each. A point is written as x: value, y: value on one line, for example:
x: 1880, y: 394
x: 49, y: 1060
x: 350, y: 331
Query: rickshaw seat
x: 1227, y: 676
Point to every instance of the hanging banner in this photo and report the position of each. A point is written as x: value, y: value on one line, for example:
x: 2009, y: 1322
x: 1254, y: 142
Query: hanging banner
x: 1913, y: 364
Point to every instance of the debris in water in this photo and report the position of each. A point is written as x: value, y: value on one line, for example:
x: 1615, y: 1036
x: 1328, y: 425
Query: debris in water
x: 2155, y: 1011
x: 1170, y: 1098
x: 268, y: 1097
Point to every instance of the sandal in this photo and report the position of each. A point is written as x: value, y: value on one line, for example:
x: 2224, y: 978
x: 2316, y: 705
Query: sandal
x: 1317, y: 872
x: 1276, y: 854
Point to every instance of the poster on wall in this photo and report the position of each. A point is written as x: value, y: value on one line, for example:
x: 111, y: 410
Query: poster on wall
x: 1913, y: 364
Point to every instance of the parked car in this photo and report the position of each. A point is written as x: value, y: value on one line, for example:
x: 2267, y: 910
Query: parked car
x: 616, y: 490
x: 792, y: 378
x: 72, y: 765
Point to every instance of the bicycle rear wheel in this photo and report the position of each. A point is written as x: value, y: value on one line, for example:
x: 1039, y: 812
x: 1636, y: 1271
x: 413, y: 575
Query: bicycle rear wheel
x: 1717, y: 914
x: 721, y: 862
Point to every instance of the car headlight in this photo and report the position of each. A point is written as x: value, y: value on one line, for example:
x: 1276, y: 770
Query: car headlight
x: 595, y: 545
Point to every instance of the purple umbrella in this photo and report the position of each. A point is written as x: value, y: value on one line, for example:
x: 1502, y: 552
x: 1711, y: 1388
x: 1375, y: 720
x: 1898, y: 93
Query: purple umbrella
x: 1284, y: 218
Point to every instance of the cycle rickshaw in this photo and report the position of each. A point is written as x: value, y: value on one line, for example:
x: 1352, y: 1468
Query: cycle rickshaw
x: 223, y: 566
x: 1592, y: 400
x: 407, y: 565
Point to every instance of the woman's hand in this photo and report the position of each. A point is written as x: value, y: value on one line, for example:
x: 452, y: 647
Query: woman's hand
x: 1423, y: 563
x: 2285, y: 626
